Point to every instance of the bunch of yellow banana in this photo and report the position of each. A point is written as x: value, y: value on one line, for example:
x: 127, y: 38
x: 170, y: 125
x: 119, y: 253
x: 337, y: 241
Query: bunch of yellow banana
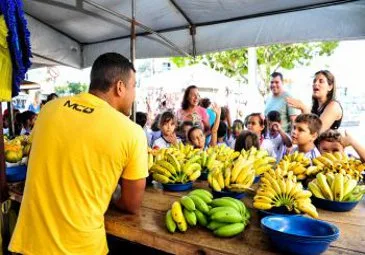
x: 337, y: 187
x: 235, y: 177
x: 189, y: 211
x: 262, y: 162
x: 298, y: 164
x: 224, y: 216
x: 340, y: 163
x: 276, y: 191
x: 223, y: 153
x: 171, y: 170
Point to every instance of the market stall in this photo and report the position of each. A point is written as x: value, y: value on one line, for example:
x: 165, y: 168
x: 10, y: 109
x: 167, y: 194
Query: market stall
x: 149, y: 229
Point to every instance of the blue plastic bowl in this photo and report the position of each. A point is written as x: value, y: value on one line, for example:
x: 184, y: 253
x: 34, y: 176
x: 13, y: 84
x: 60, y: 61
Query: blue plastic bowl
x: 278, y: 211
x: 225, y: 193
x: 335, y: 206
x: 16, y: 173
x: 178, y: 186
x: 299, y: 235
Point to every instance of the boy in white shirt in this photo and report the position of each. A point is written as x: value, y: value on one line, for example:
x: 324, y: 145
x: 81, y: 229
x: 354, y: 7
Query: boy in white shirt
x: 280, y: 140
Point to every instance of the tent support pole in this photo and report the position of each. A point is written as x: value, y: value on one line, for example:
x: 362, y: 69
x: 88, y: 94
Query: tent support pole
x: 11, y: 119
x: 144, y: 27
x: 3, y: 185
x: 133, y: 49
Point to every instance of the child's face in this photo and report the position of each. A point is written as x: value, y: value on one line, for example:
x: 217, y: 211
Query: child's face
x: 237, y: 129
x: 253, y: 124
x: 274, y: 127
x: 197, y: 138
x: 301, y: 134
x: 330, y: 147
x: 168, y: 128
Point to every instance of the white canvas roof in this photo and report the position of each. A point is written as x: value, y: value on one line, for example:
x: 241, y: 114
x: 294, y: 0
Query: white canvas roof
x: 75, y: 32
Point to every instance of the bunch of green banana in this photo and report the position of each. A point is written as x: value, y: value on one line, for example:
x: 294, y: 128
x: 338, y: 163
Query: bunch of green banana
x: 172, y: 170
x: 262, y: 162
x: 236, y: 177
x: 337, y: 187
x: 228, y: 217
x: 276, y: 191
x: 339, y: 163
x: 189, y: 211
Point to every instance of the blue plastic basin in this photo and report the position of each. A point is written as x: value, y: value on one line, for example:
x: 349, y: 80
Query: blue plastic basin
x: 335, y: 206
x: 299, y: 235
x: 178, y: 186
x: 16, y: 173
x: 257, y: 179
x: 224, y: 193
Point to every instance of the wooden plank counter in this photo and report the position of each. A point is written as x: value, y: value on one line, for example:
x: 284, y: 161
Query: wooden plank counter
x: 148, y: 228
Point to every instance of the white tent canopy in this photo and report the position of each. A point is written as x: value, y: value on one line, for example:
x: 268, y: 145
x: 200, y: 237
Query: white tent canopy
x: 75, y: 32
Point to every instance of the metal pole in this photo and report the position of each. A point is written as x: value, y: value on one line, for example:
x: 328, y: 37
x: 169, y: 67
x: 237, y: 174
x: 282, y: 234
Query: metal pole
x: 133, y: 49
x: 3, y: 186
x: 11, y: 120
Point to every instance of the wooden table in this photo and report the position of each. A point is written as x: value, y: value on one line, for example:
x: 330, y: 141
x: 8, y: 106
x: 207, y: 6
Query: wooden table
x: 148, y: 228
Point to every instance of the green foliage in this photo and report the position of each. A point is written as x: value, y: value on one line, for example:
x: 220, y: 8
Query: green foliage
x: 72, y: 88
x: 234, y: 63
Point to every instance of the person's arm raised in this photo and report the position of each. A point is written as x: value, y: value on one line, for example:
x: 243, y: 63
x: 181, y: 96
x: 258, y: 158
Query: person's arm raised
x: 297, y: 104
x: 214, y: 132
x: 348, y: 140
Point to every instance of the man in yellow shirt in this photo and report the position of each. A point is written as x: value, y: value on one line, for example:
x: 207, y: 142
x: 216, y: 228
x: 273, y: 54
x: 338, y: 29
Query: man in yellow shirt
x: 81, y: 147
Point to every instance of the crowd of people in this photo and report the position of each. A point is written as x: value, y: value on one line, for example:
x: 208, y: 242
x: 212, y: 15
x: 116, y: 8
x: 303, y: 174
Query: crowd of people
x: 287, y: 124
x: 87, y: 153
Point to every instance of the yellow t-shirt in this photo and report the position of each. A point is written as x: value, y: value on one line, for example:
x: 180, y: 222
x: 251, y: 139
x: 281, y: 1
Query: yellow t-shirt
x: 81, y: 146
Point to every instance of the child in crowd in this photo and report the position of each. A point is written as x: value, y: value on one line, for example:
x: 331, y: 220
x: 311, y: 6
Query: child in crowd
x: 155, y: 130
x: 184, y: 129
x: 277, y: 135
x: 141, y: 119
x: 222, y: 133
x: 332, y: 141
x: 167, y: 126
x: 27, y: 119
x: 256, y: 124
x: 196, y: 135
x: 245, y: 140
x: 305, y: 131
x: 237, y: 128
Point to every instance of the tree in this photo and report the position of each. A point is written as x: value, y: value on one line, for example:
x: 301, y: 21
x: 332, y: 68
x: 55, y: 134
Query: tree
x: 234, y: 63
x: 72, y: 88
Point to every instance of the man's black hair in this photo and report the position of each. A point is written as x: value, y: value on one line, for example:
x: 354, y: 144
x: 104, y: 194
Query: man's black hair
x: 108, y: 69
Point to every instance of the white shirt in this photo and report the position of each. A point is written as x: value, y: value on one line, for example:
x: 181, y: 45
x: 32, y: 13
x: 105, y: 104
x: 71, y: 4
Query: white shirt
x: 162, y: 143
x: 313, y: 153
x: 278, y: 146
x: 268, y: 145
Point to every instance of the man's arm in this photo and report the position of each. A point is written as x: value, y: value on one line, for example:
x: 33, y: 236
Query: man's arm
x: 131, y: 196
x: 348, y: 140
x: 217, y: 110
x: 133, y: 179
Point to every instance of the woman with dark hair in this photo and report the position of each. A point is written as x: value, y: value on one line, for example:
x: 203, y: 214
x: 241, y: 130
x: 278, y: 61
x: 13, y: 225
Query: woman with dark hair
x: 246, y: 140
x: 191, y: 111
x: 324, y: 100
x: 27, y: 119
